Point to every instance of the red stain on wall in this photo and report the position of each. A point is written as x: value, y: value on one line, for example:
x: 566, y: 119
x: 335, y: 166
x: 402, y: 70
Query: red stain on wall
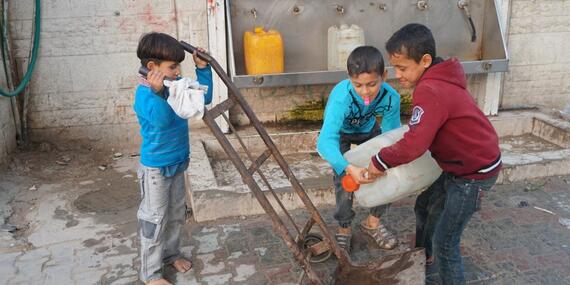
x: 127, y: 26
x: 157, y: 23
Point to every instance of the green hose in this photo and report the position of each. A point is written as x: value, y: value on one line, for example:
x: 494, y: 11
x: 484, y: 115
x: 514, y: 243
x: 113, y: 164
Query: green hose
x: 32, y: 62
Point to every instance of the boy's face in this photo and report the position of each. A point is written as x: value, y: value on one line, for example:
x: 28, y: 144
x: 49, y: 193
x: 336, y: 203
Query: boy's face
x: 367, y: 84
x: 170, y: 69
x: 407, y: 70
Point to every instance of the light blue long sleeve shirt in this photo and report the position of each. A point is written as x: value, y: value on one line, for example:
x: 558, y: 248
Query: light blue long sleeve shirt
x: 345, y: 112
x: 165, y: 140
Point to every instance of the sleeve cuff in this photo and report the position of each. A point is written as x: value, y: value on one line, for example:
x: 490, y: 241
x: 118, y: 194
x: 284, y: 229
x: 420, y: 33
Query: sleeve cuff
x: 379, y: 163
x: 207, y: 67
x: 340, y: 168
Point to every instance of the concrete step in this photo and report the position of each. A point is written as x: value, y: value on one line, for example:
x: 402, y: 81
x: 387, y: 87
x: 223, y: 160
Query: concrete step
x: 533, y: 145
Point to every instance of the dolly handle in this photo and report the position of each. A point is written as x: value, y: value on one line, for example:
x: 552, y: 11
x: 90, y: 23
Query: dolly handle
x: 190, y: 48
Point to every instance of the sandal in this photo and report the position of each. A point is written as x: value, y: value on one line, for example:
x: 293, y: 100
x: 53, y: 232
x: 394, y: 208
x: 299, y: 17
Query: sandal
x: 383, y: 238
x: 344, y: 241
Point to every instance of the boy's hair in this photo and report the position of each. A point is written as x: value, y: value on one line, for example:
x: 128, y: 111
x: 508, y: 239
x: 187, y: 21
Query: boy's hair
x: 412, y: 40
x: 158, y: 47
x: 365, y: 59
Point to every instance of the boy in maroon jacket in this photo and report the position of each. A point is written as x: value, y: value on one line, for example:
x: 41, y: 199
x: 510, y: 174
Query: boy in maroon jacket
x: 446, y: 121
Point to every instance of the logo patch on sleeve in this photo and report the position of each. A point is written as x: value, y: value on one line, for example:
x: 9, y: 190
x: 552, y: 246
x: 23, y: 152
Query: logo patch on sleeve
x: 417, y: 113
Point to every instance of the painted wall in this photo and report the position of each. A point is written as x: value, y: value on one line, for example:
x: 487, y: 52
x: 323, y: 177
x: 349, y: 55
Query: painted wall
x: 82, y: 89
x: 539, y: 48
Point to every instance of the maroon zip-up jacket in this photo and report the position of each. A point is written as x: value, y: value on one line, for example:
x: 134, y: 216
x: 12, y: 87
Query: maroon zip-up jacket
x: 446, y: 120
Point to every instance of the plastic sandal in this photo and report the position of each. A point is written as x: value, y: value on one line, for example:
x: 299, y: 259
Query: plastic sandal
x: 383, y: 238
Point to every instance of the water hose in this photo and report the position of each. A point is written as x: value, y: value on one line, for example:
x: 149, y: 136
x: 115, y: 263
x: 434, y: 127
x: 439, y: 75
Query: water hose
x: 32, y: 63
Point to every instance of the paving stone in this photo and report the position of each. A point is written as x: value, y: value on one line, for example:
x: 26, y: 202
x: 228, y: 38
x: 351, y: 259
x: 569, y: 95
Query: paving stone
x: 474, y: 272
x: 57, y: 279
x: 120, y: 272
x: 58, y: 275
x: 88, y: 277
x: 218, y: 279
x: 210, y: 264
x: 127, y: 280
x: 281, y: 274
x: 29, y: 266
x: 187, y: 279
x: 34, y: 254
x: 9, y: 256
x: 7, y: 267
x: 207, y: 242
x: 86, y: 260
x: 502, y: 244
x: 61, y: 254
x: 235, y: 245
x: 542, y: 276
x: 263, y: 235
x: 244, y: 272
x: 273, y: 254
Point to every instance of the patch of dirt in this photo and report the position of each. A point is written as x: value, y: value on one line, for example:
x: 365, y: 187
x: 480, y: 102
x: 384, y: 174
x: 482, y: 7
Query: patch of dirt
x: 44, y: 169
x: 118, y: 191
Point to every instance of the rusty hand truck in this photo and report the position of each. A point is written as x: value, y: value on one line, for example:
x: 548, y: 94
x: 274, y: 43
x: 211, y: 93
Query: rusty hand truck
x: 402, y: 268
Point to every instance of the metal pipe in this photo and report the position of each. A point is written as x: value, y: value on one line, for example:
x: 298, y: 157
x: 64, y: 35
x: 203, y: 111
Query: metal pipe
x: 464, y: 5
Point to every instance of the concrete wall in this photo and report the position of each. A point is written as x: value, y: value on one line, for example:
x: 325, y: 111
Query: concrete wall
x: 7, y: 124
x: 7, y: 129
x: 539, y: 47
x: 82, y: 89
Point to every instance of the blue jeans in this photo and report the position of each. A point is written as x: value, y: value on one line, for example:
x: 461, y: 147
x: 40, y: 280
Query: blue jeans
x: 442, y: 212
x: 343, y: 212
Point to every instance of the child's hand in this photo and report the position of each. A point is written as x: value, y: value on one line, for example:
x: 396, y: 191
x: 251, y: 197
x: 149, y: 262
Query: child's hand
x: 359, y: 174
x: 155, y: 79
x: 199, y: 62
x: 373, y: 172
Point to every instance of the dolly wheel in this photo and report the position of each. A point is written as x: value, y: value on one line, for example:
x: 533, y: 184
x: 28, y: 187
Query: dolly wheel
x: 320, y: 250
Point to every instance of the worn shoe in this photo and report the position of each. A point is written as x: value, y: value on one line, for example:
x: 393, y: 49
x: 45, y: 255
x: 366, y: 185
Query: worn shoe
x: 344, y: 241
x: 383, y: 238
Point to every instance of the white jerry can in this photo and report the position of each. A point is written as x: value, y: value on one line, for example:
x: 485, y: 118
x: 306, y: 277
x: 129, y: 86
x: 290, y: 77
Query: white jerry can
x: 341, y: 42
x: 399, y: 182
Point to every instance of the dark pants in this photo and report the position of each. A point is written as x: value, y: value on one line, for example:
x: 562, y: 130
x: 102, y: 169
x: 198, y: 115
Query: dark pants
x: 442, y: 212
x: 343, y: 212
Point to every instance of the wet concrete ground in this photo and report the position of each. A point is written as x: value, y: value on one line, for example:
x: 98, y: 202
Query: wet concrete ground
x: 77, y: 225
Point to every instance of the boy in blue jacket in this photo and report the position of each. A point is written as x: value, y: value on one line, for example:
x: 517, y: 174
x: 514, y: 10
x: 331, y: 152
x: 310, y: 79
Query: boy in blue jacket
x: 350, y: 118
x: 165, y: 154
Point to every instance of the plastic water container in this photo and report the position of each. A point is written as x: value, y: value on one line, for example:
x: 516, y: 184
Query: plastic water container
x: 263, y: 51
x: 399, y: 182
x: 341, y: 42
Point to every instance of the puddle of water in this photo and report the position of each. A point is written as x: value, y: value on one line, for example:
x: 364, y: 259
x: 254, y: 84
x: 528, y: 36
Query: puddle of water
x: 116, y: 194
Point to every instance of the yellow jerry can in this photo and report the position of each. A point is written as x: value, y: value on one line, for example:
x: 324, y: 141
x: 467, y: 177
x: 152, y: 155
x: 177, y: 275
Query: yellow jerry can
x: 263, y: 51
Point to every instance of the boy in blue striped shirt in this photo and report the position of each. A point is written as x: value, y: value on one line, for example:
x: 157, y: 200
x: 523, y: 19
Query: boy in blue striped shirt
x: 165, y: 154
x: 350, y: 118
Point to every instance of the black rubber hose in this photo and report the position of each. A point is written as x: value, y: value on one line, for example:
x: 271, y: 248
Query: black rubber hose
x: 473, y: 31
